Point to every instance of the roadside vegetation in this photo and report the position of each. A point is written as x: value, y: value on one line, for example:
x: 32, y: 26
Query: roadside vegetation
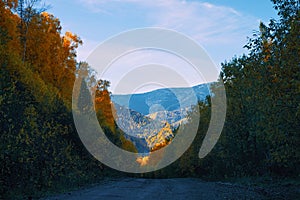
x: 40, y: 148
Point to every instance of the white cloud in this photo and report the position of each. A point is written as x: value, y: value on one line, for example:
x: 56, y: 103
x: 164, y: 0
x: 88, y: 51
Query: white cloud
x: 221, y: 30
x: 205, y: 22
x: 152, y: 66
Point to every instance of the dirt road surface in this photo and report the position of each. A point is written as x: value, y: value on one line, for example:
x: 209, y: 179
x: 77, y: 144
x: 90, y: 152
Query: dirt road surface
x: 186, y: 188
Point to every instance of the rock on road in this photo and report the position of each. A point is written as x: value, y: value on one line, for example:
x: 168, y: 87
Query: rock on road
x: 180, y: 188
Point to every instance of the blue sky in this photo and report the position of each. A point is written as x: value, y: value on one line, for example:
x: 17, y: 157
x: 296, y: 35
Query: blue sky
x: 221, y: 27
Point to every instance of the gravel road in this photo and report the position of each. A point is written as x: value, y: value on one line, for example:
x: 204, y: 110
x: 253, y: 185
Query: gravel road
x: 185, y: 188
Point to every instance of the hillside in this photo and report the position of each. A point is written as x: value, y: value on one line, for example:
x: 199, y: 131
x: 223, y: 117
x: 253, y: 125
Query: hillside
x: 168, y: 99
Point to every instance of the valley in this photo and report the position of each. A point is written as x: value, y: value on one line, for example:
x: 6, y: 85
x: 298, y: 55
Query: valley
x: 150, y: 120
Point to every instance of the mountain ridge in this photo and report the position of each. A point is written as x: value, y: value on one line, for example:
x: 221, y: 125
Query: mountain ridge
x: 165, y: 99
x: 150, y: 119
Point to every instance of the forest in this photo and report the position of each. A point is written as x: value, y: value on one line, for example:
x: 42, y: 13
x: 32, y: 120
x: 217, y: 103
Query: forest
x: 41, y: 151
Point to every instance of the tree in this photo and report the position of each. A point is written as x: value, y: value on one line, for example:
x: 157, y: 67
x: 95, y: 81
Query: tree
x: 85, y: 103
x: 103, y: 85
x: 38, y: 142
x: 27, y: 10
x: 262, y: 91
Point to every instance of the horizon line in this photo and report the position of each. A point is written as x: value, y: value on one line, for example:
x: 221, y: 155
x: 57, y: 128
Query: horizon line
x: 161, y: 88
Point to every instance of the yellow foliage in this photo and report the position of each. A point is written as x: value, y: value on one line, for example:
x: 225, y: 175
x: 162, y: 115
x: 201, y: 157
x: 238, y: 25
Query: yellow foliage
x: 143, y: 160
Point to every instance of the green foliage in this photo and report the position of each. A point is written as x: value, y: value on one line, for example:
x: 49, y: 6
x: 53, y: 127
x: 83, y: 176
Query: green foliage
x: 40, y: 149
x: 263, y: 93
x: 261, y: 132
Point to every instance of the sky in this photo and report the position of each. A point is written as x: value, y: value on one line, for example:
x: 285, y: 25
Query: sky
x: 220, y: 27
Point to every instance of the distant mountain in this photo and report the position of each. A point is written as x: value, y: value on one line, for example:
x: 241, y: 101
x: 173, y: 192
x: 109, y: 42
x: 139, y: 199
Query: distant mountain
x: 149, y: 120
x: 147, y: 131
x: 172, y: 117
x: 168, y: 99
